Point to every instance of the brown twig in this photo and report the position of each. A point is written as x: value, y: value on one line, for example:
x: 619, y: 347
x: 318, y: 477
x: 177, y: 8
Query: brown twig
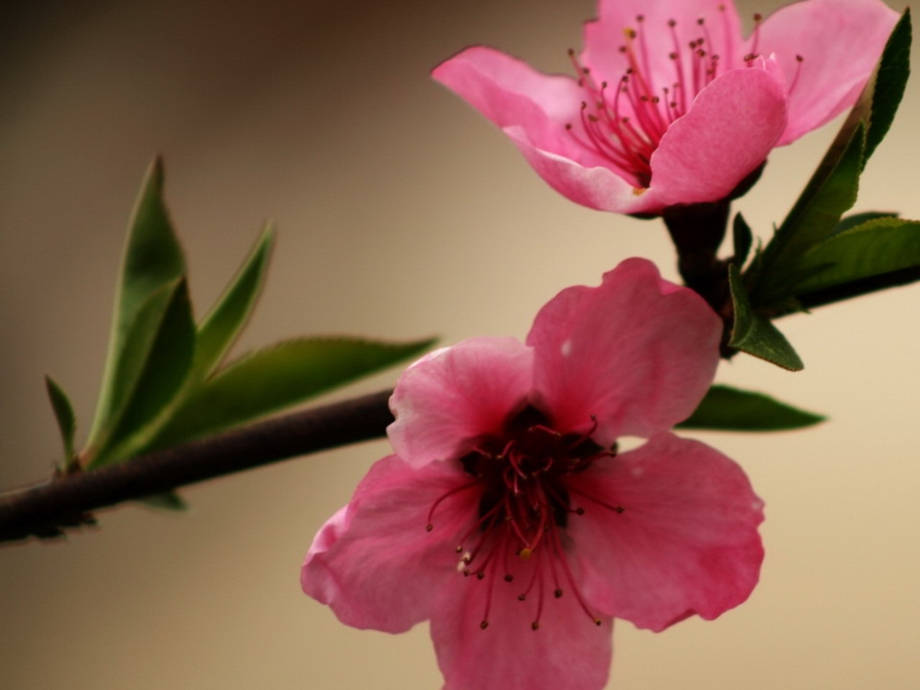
x: 45, y: 510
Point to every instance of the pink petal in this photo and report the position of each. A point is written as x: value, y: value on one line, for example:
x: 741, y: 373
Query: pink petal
x: 595, y: 187
x: 839, y: 40
x: 637, y: 352
x: 604, y: 36
x: 728, y: 131
x: 374, y: 563
x: 449, y: 399
x: 686, y: 542
x: 567, y: 652
x: 510, y: 93
x: 533, y: 110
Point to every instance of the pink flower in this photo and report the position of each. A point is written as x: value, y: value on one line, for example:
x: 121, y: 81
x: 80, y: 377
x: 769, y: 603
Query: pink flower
x: 508, y: 519
x: 672, y: 105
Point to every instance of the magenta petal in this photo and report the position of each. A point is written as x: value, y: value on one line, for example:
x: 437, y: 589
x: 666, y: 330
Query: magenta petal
x: 374, y: 563
x: 567, y: 652
x: 727, y: 133
x: 449, y: 399
x: 686, y: 542
x: 638, y: 353
x: 839, y: 42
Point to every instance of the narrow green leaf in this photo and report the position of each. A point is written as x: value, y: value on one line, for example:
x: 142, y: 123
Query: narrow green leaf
x: 731, y: 409
x: 832, y: 189
x: 66, y: 419
x: 830, y: 193
x: 227, y: 317
x: 874, y: 255
x: 152, y: 258
x: 158, y: 353
x: 168, y: 500
x: 888, y: 83
x: 855, y: 219
x: 756, y: 335
x: 742, y: 238
x: 271, y: 379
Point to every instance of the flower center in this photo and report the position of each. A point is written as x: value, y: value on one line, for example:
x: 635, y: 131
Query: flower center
x: 624, y: 122
x: 526, y: 501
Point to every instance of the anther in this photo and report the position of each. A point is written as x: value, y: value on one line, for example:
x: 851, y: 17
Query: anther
x: 429, y: 527
x: 535, y: 625
x: 557, y: 593
x: 485, y: 624
x: 509, y: 577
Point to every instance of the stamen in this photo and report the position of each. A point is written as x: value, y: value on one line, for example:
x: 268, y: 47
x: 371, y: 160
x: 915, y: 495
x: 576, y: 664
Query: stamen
x: 615, y: 509
x: 754, y: 47
x: 524, y: 502
x: 557, y: 546
x: 455, y: 490
x: 798, y: 71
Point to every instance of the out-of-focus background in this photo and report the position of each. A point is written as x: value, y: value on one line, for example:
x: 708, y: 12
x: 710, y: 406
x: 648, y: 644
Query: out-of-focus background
x: 402, y: 213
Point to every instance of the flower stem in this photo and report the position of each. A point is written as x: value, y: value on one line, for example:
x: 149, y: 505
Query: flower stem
x: 697, y: 232
x: 45, y: 510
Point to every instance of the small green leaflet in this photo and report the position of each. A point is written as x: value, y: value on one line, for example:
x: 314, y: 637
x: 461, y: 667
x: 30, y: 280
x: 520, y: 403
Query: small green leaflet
x: 755, y: 334
x: 731, y: 409
x: 66, y: 420
x: 276, y: 377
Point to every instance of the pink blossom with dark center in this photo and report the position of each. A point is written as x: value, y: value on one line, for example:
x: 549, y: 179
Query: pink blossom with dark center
x: 669, y: 104
x: 509, y: 518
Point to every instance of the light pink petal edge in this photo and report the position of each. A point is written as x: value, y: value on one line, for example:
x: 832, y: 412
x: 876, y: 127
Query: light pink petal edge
x: 533, y: 109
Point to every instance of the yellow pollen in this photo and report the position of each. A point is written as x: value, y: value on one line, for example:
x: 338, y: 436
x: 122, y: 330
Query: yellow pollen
x: 525, y: 554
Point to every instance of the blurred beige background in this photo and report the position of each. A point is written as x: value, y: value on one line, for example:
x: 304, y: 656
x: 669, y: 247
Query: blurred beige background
x: 402, y: 213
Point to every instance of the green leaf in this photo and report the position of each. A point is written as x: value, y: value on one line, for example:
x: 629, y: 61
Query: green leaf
x: 830, y: 193
x: 227, y: 317
x: 152, y: 259
x: 888, y: 83
x: 731, y: 409
x: 277, y: 377
x: 876, y: 254
x: 756, y: 335
x: 66, y: 419
x: 742, y: 238
x: 832, y: 189
x: 855, y: 219
x: 168, y: 500
x: 157, y: 356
